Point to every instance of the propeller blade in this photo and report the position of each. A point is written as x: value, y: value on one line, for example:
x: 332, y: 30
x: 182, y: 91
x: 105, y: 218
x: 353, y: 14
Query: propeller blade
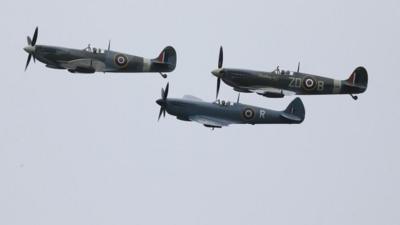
x: 161, y: 111
x: 27, y: 62
x: 220, y: 58
x: 163, y: 102
x: 29, y: 40
x: 35, y: 35
x: 218, y: 86
x: 166, y: 91
x: 298, y: 67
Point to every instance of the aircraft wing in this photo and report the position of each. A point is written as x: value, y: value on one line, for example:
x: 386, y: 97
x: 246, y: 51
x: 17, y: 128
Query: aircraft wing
x: 83, y: 64
x: 193, y: 98
x: 209, y: 121
x: 266, y: 90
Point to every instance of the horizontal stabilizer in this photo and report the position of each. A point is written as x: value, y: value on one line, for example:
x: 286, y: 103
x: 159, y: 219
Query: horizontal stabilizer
x: 291, y: 117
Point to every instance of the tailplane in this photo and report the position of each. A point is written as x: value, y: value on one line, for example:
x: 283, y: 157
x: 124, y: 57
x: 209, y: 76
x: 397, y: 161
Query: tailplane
x: 295, y: 111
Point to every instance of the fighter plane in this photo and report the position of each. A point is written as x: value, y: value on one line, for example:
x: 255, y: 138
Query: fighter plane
x: 91, y: 60
x: 220, y: 113
x: 279, y: 83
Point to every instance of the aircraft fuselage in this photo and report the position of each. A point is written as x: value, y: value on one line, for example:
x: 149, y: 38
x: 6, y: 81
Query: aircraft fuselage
x: 279, y: 84
x: 236, y: 113
x: 96, y: 60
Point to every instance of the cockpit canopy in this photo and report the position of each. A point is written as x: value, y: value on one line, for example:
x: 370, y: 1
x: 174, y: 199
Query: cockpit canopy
x: 223, y: 103
x: 277, y: 71
x: 93, y: 50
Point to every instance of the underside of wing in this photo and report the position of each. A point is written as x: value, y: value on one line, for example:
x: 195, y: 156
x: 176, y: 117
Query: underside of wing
x: 210, y: 122
x: 54, y: 67
x: 272, y: 92
x: 83, y: 65
x: 264, y: 90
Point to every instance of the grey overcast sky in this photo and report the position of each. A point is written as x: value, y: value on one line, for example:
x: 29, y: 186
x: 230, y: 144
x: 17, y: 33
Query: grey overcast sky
x: 87, y: 149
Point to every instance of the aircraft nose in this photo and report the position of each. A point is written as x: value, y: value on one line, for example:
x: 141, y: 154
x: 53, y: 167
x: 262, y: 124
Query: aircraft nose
x: 217, y: 72
x: 159, y: 102
x: 29, y: 49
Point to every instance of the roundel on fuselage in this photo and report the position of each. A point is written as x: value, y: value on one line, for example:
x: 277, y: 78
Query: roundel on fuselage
x: 121, y: 60
x: 309, y: 83
x: 248, y: 113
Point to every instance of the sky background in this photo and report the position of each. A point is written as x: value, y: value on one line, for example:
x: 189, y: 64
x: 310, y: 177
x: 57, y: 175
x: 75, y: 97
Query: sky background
x: 87, y: 149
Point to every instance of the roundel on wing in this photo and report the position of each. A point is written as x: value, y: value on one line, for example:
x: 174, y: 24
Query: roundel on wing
x: 248, y: 113
x: 309, y: 83
x: 121, y: 60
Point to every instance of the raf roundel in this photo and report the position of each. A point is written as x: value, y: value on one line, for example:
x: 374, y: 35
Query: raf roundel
x: 309, y: 83
x: 121, y: 60
x: 248, y: 113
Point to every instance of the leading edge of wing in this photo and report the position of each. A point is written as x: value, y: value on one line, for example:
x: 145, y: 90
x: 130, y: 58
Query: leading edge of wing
x: 209, y: 121
x: 264, y: 90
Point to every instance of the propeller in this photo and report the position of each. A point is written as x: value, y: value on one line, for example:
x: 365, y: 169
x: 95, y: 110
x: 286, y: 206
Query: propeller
x: 220, y: 58
x: 298, y: 67
x: 35, y: 35
x: 218, y: 87
x: 220, y: 64
x: 28, y: 61
x: 30, y: 49
x: 163, y: 101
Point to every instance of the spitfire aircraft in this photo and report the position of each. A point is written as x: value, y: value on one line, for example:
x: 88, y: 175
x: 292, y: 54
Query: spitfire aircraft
x: 220, y: 113
x: 279, y: 83
x: 91, y: 60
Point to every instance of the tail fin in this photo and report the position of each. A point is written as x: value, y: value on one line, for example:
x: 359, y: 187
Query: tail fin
x: 295, y: 111
x: 358, y: 80
x: 167, y: 57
